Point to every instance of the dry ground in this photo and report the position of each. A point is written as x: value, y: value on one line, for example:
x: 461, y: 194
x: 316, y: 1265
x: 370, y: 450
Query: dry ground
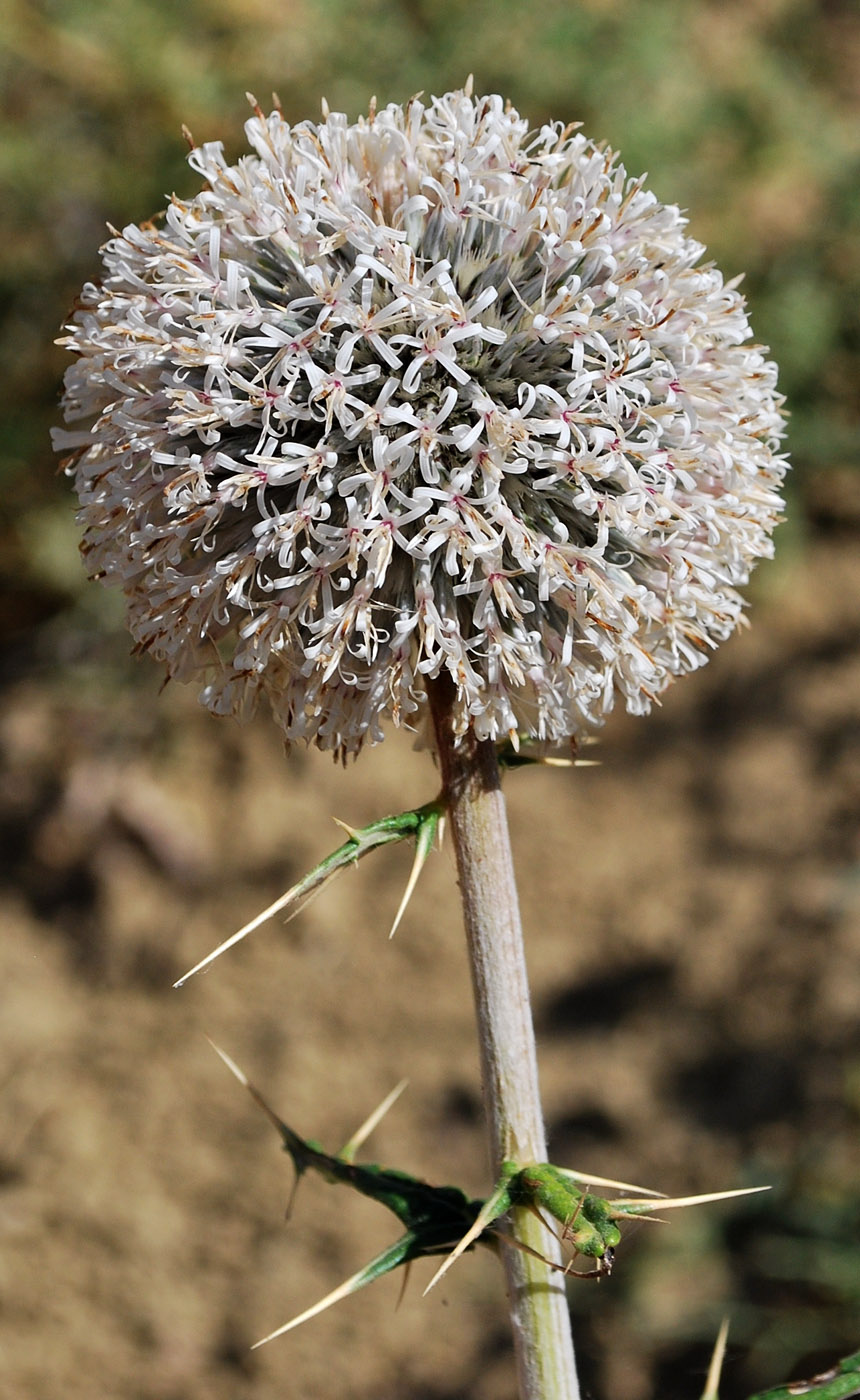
x: 692, y: 916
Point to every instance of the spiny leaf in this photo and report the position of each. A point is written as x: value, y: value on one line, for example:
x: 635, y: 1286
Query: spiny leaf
x: 417, y: 822
x: 444, y: 1220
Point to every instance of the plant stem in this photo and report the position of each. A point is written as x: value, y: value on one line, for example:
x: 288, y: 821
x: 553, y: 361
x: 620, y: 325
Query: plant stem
x: 476, y: 810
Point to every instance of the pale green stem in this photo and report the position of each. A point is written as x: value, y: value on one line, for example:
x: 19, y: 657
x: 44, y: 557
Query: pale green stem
x: 478, y: 820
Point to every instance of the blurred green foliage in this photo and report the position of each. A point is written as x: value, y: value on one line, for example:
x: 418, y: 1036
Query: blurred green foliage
x: 744, y: 112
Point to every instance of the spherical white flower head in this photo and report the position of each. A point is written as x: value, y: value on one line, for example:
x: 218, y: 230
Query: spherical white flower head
x: 425, y: 394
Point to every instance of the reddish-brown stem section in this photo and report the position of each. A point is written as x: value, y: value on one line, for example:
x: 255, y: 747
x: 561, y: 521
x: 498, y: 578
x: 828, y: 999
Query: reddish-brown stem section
x: 476, y: 811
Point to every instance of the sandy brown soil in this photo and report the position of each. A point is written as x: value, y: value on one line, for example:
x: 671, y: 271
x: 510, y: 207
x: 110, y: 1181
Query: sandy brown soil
x: 692, y: 915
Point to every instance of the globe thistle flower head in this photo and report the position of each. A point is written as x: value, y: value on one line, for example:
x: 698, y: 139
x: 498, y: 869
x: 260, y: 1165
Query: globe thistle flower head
x: 430, y: 393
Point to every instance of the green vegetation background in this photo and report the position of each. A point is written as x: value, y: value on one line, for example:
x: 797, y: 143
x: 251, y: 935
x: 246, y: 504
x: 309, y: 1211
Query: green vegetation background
x: 744, y: 113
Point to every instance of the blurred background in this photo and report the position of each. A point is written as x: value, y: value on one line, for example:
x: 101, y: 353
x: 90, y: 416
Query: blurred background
x: 692, y: 904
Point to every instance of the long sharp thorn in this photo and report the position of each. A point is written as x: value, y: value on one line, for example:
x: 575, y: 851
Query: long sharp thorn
x: 472, y: 1234
x: 417, y: 865
x: 359, y: 843
x: 489, y: 1212
x: 350, y: 1285
x: 361, y: 1134
x: 306, y: 890
x: 589, y: 1179
x: 255, y: 1093
x: 243, y: 932
x: 423, y: 846
x: 402, y: 1294
x: 675, y: 1202
x: 389, y: 1259
x: 291, y: 1199
x: 712, y: 1384
x: 231, y: 1064
x: 270, y: 1113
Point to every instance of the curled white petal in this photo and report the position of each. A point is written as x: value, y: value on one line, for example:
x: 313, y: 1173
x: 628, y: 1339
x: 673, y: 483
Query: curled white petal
x: 428, y: 392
